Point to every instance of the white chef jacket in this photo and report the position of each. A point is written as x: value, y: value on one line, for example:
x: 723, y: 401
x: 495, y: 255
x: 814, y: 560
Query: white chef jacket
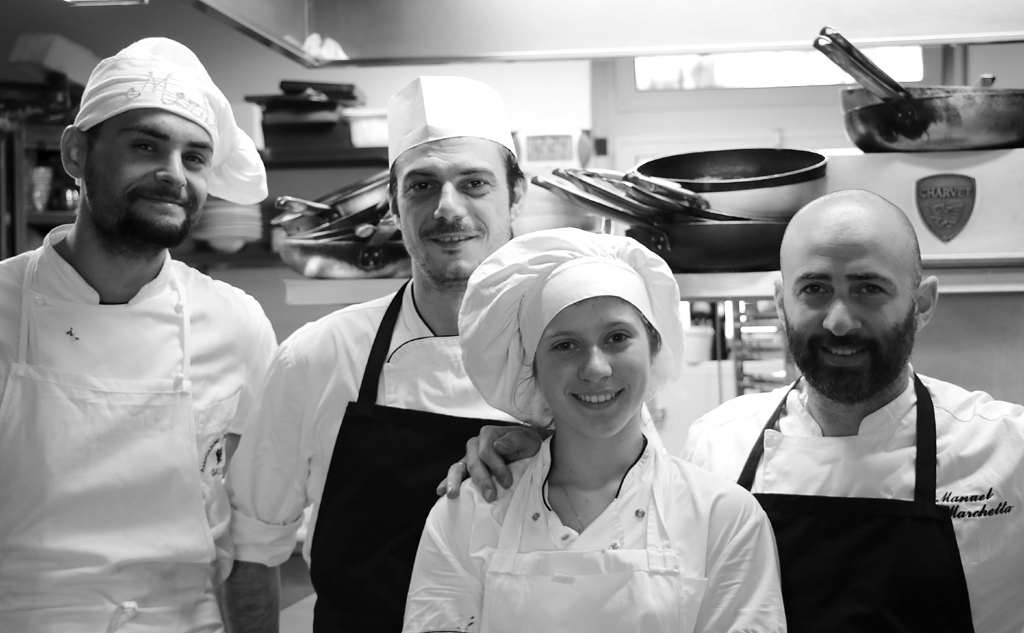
x: 724, y: 534
x: 281, y: 463
x: 231, y: 338
x: 980, y: 473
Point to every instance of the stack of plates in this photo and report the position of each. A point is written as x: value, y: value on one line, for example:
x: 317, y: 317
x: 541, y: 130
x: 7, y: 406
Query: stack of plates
x: 227, y: 226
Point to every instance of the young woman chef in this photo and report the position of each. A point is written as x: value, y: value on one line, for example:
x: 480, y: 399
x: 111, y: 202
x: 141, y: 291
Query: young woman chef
x: 600, y: 531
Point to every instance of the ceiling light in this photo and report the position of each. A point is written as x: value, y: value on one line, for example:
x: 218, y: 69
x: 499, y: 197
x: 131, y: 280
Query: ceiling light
x: 103, y: 3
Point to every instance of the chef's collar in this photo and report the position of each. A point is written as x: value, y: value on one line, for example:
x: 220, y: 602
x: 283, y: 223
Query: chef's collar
x: 56, y: 278
x: 798, y: 421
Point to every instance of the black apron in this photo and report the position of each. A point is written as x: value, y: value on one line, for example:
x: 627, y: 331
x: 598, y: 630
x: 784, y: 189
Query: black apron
x: 380, y: 487
x: 869, y: 565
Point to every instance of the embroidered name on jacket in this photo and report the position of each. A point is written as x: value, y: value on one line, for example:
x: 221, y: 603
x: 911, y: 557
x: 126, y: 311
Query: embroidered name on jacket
x: 965, y: 506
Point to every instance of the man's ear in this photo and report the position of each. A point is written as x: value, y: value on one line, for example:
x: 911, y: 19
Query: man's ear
x: 73, y: 150
x: 778, y: 302
x: 927, y: 299
x: 518, y: 202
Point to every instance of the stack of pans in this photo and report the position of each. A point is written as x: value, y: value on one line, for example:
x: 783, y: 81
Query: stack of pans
x: 347, y: 234
x: 718, y: 211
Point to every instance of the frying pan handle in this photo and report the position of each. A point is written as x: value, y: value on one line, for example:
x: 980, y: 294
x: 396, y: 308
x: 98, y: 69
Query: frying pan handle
x: 668, y: 189
x: 298, y: 205
x: 879, y: 84
x: 889, y: 84
x: 601, y: 207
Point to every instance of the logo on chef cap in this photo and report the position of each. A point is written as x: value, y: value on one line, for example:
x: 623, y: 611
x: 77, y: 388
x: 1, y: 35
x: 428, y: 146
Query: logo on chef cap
x: 165, y: 91
x: 435, y: 108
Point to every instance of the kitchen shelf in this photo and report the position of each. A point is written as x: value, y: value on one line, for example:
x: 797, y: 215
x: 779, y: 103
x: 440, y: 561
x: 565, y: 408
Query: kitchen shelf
x: 302, y: 157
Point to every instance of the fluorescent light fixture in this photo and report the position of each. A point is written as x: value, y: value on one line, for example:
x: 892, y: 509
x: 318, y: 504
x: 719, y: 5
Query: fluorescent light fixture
x: 104, y: 3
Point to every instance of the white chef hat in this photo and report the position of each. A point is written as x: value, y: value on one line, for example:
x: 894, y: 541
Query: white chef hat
x: 160, y: 73
x: 516, y: 292
x: 435, y: 108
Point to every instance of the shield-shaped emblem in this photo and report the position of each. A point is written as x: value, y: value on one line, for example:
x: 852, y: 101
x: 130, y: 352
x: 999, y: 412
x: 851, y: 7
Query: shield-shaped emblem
x: 945, y: 202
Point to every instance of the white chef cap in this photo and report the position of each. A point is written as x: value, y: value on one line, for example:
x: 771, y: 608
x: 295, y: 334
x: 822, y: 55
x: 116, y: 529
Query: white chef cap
x: 160, y: 73
x: 516, y: 292
x: 435, y: 108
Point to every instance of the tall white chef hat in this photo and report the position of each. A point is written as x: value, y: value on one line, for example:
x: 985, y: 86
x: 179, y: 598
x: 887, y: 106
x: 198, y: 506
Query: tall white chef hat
x: 435, y: 108
x: 160, y: 73
x: 516, y: 292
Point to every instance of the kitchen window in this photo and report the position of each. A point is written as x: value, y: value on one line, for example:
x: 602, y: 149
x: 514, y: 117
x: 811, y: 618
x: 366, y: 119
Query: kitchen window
x: 766, y: 69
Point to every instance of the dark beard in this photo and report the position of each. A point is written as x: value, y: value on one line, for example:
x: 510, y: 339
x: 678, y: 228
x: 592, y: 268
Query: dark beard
x: 852, y: 385
x: 123, y: 230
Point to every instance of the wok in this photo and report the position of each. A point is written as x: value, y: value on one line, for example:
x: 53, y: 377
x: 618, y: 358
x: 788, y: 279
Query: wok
x: 884, y: 116
x: 764, y: 183
x: 705, y: 246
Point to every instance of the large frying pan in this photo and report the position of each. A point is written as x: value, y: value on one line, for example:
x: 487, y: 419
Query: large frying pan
x: 884, y: 116
x: 765, y: 183
x: 688, y: 247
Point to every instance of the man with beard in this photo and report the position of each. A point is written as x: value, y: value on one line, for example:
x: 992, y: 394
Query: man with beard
x: 123, y: 370
x: 363, y: 411
x: 896, y: 499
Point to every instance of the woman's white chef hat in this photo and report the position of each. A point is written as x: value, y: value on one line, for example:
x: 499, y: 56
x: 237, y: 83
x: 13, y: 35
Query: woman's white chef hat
x: 435, y: 108
x: 160, y: 73
x: 516, y: 292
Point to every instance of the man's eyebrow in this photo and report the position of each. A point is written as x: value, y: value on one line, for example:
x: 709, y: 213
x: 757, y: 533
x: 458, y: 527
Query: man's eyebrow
x: 814, y: 277
x: 468, y: 171
x: 867, y: 276
x: 160, y: 135
x: 870, y: 277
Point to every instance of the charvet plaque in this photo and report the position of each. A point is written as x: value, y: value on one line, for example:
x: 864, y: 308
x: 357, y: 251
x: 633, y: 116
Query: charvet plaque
x: 945, y: 202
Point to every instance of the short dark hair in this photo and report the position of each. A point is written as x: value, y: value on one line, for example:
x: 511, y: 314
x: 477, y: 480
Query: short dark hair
x: 513, y: 176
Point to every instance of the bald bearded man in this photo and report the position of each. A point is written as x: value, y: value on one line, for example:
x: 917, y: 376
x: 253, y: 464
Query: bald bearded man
x: 896, y: 499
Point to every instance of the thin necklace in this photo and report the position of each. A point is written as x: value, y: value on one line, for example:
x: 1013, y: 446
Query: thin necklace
x: 572, y: 507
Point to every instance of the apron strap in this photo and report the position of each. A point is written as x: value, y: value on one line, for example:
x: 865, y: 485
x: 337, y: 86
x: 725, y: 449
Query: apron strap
x: 924, y: 485
x: 379, y: 350
x: 746, y: 479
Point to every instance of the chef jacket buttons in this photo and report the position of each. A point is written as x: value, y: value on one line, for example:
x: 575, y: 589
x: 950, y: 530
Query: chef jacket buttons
x: 565, y: 537
x: 179, y: 378
x: 536, y: 515
x: 613, y: 546
x: 179, y: 306
x: 640, y: 514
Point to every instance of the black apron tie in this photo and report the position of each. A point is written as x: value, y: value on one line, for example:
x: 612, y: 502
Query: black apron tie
x: 379, y: 489
x: 861, y: 564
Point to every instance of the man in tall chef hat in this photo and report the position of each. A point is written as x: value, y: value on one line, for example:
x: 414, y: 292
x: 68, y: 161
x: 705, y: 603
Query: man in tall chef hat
x: 124, y: 370
x: 363, y: 411
x: 896, y: 499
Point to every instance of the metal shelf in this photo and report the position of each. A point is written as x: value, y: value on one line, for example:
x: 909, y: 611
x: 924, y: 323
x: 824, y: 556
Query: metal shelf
x: 298, y: 158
